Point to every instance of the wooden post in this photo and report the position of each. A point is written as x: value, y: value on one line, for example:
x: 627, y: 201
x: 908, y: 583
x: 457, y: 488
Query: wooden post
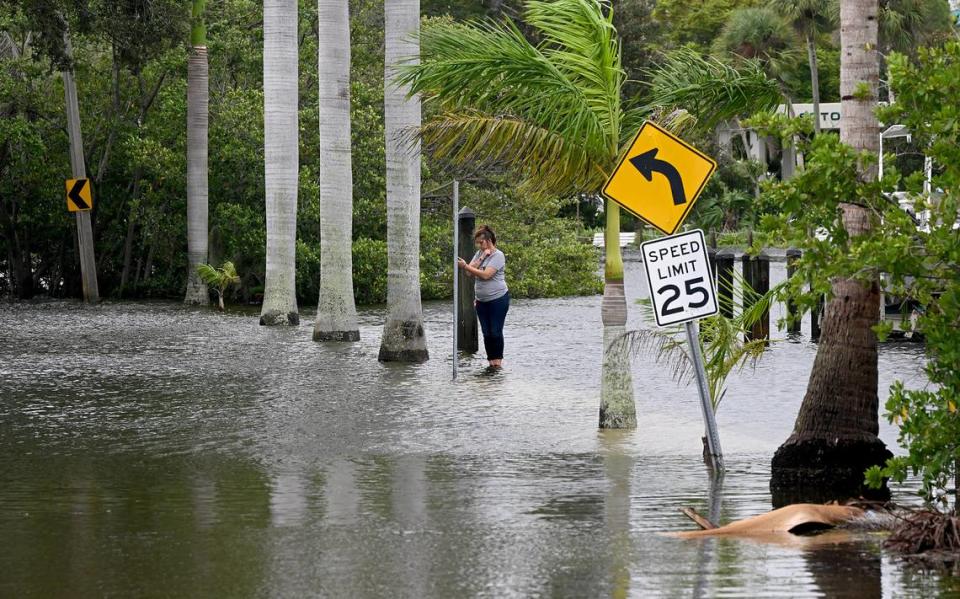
x: 756, y: 274
x: 815, y: 319
x: 712, y: 259
x: 793, y: 318
x: 724, y: 259
x: 88, y: 262
x: 467, y: 333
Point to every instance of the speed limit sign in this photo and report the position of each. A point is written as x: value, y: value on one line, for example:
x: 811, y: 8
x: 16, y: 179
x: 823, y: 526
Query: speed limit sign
x: 678, y: 272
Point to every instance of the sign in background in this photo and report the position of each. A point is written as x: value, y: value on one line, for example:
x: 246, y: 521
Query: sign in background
x: 659, y: 178
x: 78, y: 195
x: 829, y: 113
x: 678, y: 273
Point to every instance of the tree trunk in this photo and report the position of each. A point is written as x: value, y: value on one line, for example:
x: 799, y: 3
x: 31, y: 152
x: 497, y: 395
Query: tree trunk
x: 617, y: 408
x: 403, y: 336
x: 281, y: 160
x: 814, y: 80
x: 198, y: 94
x: 336, y: 310
x: 835, y: 435
x: 128, y: 242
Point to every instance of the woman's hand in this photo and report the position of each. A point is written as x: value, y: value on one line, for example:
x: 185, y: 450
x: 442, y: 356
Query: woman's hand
x: 461, y: 263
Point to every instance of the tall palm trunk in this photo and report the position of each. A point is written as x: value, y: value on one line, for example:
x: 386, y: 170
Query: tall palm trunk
x: 281, y: 160
x: 336, y: 311
x: 403, y: 336
x: 814, y: 78
x: 197, y: 123
x: 835, y: 437
x: 617, y: 409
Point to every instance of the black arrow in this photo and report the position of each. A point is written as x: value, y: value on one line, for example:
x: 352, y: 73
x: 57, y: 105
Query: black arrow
x: 647, y: 163
x: 74, y: 194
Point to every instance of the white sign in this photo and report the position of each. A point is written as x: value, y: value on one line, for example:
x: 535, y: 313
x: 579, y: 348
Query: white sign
x: 829, y: 113
x: 678, y: 272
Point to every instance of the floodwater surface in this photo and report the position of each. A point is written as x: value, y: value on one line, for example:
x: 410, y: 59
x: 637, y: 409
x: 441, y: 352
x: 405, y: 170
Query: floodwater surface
x: 147, y: 449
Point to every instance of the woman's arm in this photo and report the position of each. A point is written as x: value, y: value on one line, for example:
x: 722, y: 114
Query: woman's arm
x: 480, y: 273
x: 484, y: 274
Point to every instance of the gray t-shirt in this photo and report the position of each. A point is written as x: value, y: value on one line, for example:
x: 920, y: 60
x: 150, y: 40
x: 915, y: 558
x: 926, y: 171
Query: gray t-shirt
x: 496, y: 286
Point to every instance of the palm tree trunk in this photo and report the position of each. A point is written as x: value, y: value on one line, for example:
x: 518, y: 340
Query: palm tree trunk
x: 835, y: 436
x: 617, y: 408
x: 281, y: 160
x: 403, y: 336
x: 197, y: 126
x: 814, y: 80
x: 336, y: 310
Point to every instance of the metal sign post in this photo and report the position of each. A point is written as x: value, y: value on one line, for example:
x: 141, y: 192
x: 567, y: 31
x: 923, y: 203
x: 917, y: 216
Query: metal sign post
x: 681, y: 290
x: 456, y: 270
x: 706, y: 406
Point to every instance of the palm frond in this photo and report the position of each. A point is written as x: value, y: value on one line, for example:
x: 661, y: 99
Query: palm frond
x: 580, y: 39
x: 230, y: 273
x: 208, y: 274
x: 709, y: 89
x: 721, y: 340
x: 666, y: 347
x: 492, y: 68
x: 552, y: 164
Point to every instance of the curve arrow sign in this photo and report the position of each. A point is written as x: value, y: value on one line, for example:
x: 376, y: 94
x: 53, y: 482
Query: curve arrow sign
x: 648, y: 163
x: 74, y: 194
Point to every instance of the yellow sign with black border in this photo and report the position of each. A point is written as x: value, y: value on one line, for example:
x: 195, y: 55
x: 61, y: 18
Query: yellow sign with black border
x: 659, y: 178
x: 79, y: 198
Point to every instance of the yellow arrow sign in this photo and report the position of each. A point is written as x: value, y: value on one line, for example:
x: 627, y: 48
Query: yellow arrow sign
x: 659, y: 178
x: 78, y: 195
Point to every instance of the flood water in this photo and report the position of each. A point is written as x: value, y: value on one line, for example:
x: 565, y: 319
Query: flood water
x: 154, y: 450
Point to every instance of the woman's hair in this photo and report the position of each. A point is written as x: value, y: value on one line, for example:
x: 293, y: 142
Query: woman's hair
x: 485, y: 232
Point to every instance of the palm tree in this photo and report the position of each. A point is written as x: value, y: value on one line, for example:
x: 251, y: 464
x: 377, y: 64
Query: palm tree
x: 218, y: 278
x: 403, y: 336
x: 763, y: 34
x: 197, y: 102
x: 553, y: 114
x: 724, y: 341
x: 809, y: 18
x: 906, y: 25
x: 835, y: 438
x: 336, y: 310
x: 281, y: 160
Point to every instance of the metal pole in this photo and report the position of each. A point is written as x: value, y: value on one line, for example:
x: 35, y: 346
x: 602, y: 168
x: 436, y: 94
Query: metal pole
x: 456, y: 270
x: 713, y: 437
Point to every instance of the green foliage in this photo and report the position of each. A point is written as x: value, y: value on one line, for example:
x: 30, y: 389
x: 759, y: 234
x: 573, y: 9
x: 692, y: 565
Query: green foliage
x: 708, y: 88
x: 919, y: 262
x: 722, y: 340
x: 695, y: 23
x: 547, y: 256
x: 219, y: 278
x: 370, y: 271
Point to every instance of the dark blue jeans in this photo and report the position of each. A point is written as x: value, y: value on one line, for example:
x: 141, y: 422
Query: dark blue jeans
x: 491, y: 316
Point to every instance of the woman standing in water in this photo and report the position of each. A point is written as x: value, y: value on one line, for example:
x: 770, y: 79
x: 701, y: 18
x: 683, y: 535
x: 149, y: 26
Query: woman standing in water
x: 490, y: 288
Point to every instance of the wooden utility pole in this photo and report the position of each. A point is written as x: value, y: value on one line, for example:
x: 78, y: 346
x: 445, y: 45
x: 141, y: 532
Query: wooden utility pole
x: 88, y: 263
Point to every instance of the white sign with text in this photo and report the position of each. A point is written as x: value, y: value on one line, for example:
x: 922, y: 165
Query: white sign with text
x: 681, y: 283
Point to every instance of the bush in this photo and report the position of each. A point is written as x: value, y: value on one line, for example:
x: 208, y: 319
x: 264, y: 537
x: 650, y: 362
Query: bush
x: 370, y: 271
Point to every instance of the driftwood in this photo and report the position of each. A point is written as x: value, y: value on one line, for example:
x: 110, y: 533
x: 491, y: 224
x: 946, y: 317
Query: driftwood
x: 927, y: 531
x: 702, y: 522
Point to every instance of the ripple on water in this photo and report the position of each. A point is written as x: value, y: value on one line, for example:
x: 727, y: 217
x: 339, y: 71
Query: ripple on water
x: 213, y: 456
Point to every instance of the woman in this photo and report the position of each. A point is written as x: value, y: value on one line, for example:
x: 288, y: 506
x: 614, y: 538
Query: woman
x: 490, y: 288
